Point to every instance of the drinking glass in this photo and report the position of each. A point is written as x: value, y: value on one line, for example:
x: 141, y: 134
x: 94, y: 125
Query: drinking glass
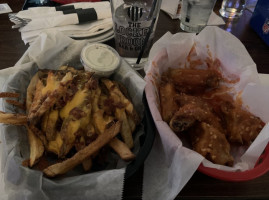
x: 232, y: 8
x: 195, y: 14
x: 134, y: 24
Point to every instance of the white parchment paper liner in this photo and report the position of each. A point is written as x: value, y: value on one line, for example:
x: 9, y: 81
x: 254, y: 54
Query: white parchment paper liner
x: 51, y: 50
x: 170, y: 165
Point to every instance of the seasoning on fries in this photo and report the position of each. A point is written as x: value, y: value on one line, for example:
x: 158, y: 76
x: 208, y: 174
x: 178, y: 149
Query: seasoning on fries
x: 71, y: 109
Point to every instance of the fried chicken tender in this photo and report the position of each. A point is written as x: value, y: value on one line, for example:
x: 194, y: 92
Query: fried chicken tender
x: 194, y: 81
x: 182, y: 99
x: 167, y: 93
x: 198, y: 103
x: 211, y: 144
x: 187, y: 115
x: 243, y: 127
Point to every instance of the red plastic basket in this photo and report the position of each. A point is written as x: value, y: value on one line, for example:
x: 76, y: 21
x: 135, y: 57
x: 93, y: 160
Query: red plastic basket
x: 261, y: 167
x: 73, y: 1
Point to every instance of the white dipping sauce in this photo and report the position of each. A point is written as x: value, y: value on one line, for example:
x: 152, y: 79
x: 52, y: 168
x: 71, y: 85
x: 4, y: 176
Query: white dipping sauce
x: 99, y: 58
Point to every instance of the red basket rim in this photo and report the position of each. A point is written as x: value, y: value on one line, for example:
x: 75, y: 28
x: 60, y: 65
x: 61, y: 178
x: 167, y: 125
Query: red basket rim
x: 261, y: 167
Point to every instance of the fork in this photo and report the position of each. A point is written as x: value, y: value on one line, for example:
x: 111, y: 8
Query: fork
x: 19, y: 22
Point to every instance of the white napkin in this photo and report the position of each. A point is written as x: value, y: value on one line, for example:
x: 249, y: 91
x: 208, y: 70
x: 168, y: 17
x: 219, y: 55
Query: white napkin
x: 48, y: 18
x: 40, y: 12
x: 215, y: 20
x: 4, y: 8
x: 87, y: 29
x: 172, y: 8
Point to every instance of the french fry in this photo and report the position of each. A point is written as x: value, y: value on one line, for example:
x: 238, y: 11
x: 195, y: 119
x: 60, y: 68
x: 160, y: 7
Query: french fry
x: 44, y: 121
x: 121, y: 149
x: 53, y: 96
x: 55, y: 146
x: 38, y: 133
x: 71, y: 123
x: 69, y: 108
x: 100, y: 122
x: 9, y: 94
x: 36, y: 147
x: 125, y: 128
x: 131, y: 122
x: 16, y: 103
x: 68, y: 131
x: 87, y: 163
x: 51, y: 124
x: 37, y: 100
x: 31, y: 91
x: 12, y: 118
x: 96, y: 96
x: 79, y: 157
x: 117, y: 95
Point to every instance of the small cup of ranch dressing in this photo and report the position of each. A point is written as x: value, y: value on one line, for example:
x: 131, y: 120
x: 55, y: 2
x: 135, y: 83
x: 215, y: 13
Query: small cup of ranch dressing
x: 99, y: 58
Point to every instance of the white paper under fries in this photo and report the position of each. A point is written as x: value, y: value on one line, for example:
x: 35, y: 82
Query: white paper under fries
x: 175, y: 163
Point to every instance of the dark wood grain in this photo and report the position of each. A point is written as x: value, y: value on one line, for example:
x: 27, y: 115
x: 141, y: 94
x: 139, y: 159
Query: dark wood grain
x: 11, y: 45
x: 200, y: 186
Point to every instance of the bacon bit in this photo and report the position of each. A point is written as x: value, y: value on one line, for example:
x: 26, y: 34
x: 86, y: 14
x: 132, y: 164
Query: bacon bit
x: 25, y: 163
x: 110, y: 124
x: 77, y: 113
x: 119, y: 105
x: 92, y: 84
x: 42, y: 164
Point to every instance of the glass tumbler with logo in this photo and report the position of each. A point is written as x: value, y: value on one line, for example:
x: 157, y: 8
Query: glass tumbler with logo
x: 134, y: 24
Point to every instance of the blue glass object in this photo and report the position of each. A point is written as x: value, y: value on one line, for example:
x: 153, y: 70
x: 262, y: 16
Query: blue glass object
x: 38, y: 3
x: 260, y: 20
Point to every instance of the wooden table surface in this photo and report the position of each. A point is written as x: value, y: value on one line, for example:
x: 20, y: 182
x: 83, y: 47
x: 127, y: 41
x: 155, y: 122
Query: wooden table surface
x: 200, y: 186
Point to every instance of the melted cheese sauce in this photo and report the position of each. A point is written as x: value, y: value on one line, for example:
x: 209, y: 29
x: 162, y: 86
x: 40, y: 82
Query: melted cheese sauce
x: 76, y: 101
x: 52, y: 84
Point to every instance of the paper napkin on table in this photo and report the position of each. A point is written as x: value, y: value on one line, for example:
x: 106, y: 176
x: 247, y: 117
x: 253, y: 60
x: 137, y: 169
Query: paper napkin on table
x: 172, y: 8
x: 39, y: 12
x: 71, y: 19
x: 71, y: 30
x: 214, y: 19
x: 4, y: 8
